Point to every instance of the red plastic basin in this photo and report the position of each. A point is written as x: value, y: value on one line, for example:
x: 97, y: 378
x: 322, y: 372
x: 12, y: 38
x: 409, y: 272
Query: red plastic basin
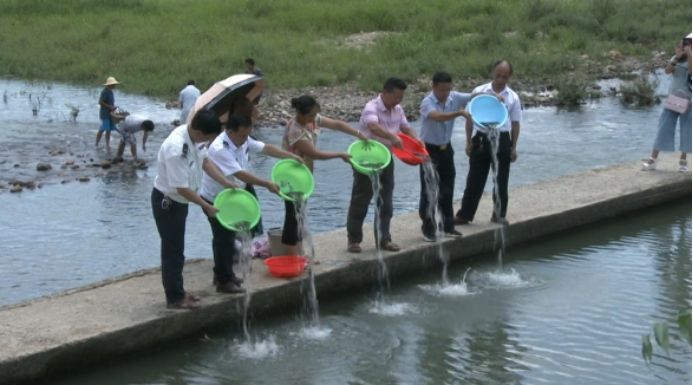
x: 412, y: 152
x: 286, y: 266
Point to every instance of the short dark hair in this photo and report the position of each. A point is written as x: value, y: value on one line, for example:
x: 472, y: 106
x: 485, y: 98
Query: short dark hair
x: 191, y: 82
x: 237, y: 121
x: 207, y: 122
x: 502, y: 61
x: 394, y: 83
x: 148, y: 125
x: 441, y: 77
x: 304, y: 104
x: 250, y: 61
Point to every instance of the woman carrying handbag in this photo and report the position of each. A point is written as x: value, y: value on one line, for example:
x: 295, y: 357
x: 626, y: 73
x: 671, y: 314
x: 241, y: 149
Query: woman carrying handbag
x: 677, y: 106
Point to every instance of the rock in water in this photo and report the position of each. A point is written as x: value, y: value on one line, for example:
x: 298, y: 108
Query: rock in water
x: 106, y: 164
x: 43, y: 166
x: 16, y: 188
x: 83, y: 179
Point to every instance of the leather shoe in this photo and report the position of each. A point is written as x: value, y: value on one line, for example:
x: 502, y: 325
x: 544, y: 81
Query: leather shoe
x: 461, y: 221
x: 389, y: 246
x: 229, y: 288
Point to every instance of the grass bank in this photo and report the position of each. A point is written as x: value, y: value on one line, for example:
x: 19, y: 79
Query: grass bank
x: 154, y: 46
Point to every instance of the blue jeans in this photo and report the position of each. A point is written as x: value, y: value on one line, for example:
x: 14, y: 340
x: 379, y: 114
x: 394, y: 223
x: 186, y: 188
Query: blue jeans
x: 667, y: 131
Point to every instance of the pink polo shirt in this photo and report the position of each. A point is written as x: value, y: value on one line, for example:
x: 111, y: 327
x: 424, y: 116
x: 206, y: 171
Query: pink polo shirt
x: 375, y: 112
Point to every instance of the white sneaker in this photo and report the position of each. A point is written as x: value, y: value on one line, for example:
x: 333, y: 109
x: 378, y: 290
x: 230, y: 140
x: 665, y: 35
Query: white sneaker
x: 649, y: 164
x: 683, y: 166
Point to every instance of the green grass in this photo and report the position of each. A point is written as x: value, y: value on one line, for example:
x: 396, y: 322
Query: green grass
x: 154, y: 46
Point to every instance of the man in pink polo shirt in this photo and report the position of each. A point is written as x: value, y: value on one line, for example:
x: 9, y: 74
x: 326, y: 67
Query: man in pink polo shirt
x: 382, y: 119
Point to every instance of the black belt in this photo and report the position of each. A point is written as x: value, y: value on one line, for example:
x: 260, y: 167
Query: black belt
x: 486, y: 134
x: 441, y: 147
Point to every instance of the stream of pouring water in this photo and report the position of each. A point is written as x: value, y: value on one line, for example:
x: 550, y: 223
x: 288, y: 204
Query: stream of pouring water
x: 311, y: 304
x: 383, y: 275
x: 499, y: 233
x: 432, y: 182
x: 245, y: 267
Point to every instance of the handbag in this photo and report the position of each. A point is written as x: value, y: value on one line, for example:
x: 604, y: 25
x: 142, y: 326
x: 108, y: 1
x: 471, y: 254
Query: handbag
x: 676, y: 103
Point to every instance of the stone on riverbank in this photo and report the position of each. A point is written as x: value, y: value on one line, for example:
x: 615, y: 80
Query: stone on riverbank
x: 41, y: 166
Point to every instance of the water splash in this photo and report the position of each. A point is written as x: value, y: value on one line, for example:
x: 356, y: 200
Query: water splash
x: 460, y: 289
x: 392, y: 309
x: 259, y: 349
x: 315, y: 332
x: 503, y: 279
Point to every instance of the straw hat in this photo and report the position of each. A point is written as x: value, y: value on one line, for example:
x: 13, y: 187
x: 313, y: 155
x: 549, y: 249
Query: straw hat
x: 111, y: 81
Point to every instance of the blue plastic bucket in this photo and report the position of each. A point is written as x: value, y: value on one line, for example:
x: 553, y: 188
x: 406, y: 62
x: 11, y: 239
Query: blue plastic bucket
x: 487, y: 110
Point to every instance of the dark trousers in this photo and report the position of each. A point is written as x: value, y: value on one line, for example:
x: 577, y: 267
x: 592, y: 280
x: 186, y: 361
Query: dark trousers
x: 291, y: 234
x: 443, y: 159
x: 361, y: 195
x: 480, y: 163
x: 223, y: 249
x: 170, y: 222
x: 257, y: 230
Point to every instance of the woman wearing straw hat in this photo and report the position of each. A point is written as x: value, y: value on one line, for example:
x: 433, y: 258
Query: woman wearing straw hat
x: 107, y: 103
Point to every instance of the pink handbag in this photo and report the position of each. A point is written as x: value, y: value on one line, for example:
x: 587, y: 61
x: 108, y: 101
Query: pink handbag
x: 676, y: 103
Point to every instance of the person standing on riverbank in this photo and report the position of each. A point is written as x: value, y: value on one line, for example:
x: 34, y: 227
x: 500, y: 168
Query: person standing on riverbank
x: 230, y: 151
x: 300, y: 138
x: 679, y: 67
x: 107, y: 106
x: 439, y: 109
x: 381, y: 119
x: 129, y: 126
x: 251, y: 68
x: 186, y: 100
x: 478, y: 148
x: 180, y: 163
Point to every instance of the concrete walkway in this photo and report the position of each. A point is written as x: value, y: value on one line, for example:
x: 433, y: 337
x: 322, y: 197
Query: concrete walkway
x: 66, y: 331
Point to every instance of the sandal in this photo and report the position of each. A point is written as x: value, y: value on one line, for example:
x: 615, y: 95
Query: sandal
x: 184, y: 304
x: 649, y: 164
x: 389, y: 246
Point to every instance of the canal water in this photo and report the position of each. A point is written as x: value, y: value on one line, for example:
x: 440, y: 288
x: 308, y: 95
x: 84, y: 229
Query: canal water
x: 63, y: 236
x: 574, y: 314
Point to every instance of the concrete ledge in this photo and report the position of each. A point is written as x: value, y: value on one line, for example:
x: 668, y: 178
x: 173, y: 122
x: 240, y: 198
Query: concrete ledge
x: 66, y: 331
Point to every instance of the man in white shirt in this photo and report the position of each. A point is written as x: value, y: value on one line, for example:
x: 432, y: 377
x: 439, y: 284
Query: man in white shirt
x: 181, y: 159
x: 186, y: 100
x: 479, y: 148
x: 230, y: 151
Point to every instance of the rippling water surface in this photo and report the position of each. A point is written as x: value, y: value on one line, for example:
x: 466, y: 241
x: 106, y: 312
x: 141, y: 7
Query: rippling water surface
x: 571, y: 311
